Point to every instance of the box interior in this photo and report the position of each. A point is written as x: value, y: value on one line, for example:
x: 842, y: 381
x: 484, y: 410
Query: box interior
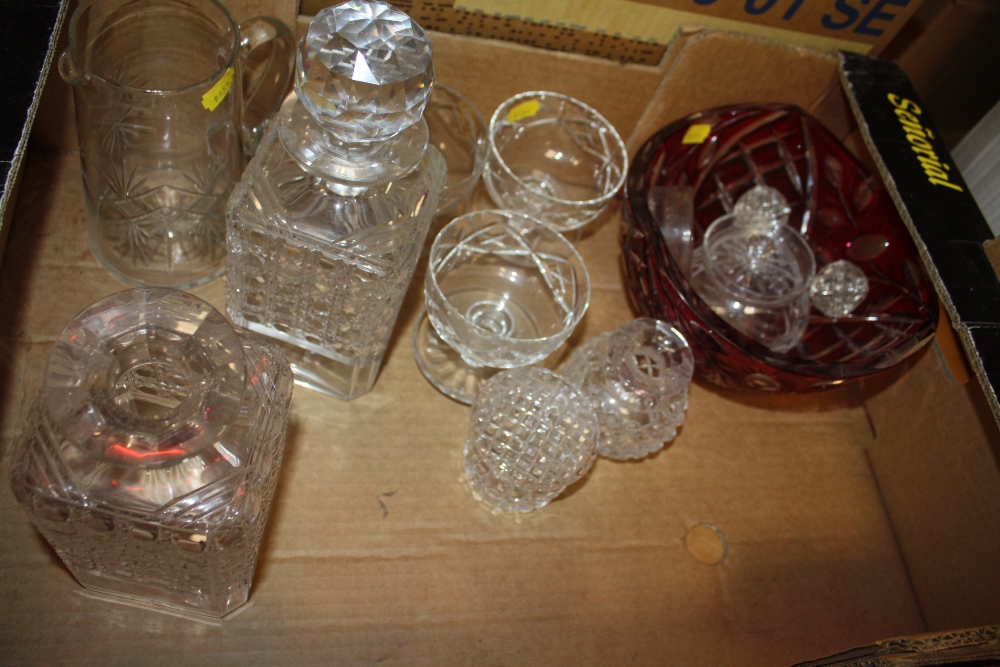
x: 772, y: 530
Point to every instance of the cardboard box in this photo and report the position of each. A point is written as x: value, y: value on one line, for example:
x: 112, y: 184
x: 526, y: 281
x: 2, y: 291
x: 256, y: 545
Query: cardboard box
x: 948, y: 77
x: 638, y: 31
x: 773, y: 530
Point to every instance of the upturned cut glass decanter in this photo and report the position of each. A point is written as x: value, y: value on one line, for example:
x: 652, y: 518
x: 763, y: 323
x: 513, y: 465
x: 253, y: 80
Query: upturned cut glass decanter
x: 637, y: 378
x: 327, y: 225
x: 155, y: 450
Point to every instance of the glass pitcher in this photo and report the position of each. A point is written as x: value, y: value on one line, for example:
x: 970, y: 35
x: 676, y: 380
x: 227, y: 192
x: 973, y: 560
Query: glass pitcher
x: 171, y: 98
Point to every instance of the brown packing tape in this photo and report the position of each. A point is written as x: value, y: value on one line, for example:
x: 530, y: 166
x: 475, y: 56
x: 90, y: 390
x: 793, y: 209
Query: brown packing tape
x: 992, y: 250
x: 951, y: 350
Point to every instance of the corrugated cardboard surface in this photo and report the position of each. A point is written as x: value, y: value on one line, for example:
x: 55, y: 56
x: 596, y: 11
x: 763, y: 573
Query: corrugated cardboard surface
x: 639, y: 30
x: 376, y: 550
x: 942, y: 491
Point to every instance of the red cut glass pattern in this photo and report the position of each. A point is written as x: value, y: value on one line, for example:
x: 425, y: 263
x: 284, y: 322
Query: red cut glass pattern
x: 841, y: 209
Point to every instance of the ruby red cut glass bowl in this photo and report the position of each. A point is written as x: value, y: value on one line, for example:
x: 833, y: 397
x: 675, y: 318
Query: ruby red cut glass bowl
x: 841, y: 209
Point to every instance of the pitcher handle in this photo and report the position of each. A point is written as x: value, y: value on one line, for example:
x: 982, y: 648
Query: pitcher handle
x: 268, y: 55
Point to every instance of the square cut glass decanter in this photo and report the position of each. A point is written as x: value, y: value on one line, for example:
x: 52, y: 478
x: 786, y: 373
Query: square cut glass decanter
x: 155, y: 450
x: 327, y: 225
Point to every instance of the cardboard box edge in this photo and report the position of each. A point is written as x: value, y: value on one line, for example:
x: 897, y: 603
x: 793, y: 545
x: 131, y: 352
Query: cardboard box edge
x: 987, y: 374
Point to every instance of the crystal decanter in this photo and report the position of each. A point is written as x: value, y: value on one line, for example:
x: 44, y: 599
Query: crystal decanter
x: 154, y: 450
x: 327, y: 225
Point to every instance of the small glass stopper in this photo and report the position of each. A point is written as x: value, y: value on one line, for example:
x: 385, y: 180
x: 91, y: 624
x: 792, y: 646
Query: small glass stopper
x: 148, y: 376
x: 838, y: 289
x: 762, y: 205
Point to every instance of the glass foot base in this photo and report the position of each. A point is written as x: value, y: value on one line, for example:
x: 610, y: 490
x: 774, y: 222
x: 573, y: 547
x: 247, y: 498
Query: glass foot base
x: 444, y: 367
x: 216, y: 604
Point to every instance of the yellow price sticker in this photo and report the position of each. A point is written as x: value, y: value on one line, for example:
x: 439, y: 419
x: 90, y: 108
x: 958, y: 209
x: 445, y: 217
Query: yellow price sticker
x: 523, y: 110
x: 696, y: 134
x: 214, y: 97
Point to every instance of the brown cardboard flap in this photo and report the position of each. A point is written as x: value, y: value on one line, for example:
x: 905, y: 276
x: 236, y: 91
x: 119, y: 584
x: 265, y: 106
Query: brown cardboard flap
x: 940, y: 478
x: 707, y: 68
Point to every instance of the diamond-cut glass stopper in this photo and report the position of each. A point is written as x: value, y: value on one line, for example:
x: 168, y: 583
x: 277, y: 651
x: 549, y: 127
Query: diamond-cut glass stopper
x: 762, y: 205
x: 838, y: 289
x: 364, y: 70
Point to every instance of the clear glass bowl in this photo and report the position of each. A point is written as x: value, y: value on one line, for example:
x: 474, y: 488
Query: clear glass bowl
x: 457, y: 129
x: 554, y: 158
x: 836, y: 204
x: 756, y: 277
x: 502, y: 290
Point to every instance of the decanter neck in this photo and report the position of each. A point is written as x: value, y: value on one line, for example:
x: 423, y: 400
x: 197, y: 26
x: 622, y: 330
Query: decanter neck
x: 634, y: 366
x: 650, y: 358
x: 321, y: 152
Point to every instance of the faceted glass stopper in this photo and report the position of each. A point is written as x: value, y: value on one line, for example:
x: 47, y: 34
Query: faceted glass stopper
x: 364, y: 70
x: 762, y: 205
x: 838, y: 289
